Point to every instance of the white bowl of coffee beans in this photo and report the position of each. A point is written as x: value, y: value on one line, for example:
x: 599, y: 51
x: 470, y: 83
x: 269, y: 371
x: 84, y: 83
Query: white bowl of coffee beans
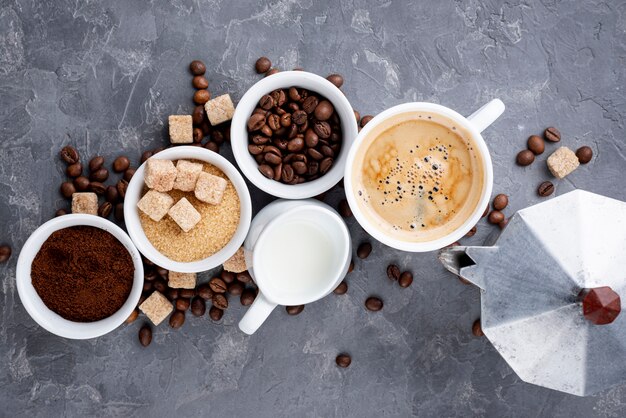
x: 291, y: 134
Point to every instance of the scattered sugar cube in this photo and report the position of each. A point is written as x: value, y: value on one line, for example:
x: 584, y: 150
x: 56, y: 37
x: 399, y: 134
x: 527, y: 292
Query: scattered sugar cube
x: 236, y: 263
x: 562, y: 162
x: 187, y: 175
x: 210, y: 188
x: 156, y: 307
x: 220, y: 109
x: 85, y: 203
x: 182, y: 280
x: 181, y: 129
x: 155, y: 204
x: 160, y: 174
x: 184, y: 214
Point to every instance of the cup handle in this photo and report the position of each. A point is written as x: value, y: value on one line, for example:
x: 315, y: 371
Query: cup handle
x: 256, y: 315
x: 487, y: 114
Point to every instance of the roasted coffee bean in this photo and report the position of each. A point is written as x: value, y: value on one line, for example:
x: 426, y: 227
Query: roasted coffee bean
x: 310, y: 138
x: 325, y: 165
x: 145, y: 335
x: 477, y: 329
x: 273, y: 121
x: 159, y: 284
x: 503, y: 223
x: 296, y: 144
x: 271, y: 71
x: 100, y: 175
x: 187, y: 293
x: 364, y: 250
x: 471, y: 232
x: 200, y: 82
x: 212, y: 146
x: 220, y: 301
x: 105, y: 209
x: 357, y: 116
x: 495, y: 217
x: 344, y: 208
x: 285, y: 120
x: 244, y: 277
x: 118, y: 212
x: 247, y: 297
x: 365, y: 120
x: 405, y: 279
x: 327, y: 151
x: 294, y: 310
x: 343, y: 360
x: 227, y: 276
x: 60, y: 212
x: 260, y: 140
x: 5, y: 253
x: 393, y: 272
x: 324, y: 110
x: 299, y: 167
x: 205, y: 292
x: 299, y: 117
x: 122, y: 186
x: 69, y: 155
x: 198, y: 306
x: 262, y: 65
x: 81, y: 183
x: 197, y: 116
x: 111, y: 194
x: 322, y: 129
x: 162, y: 272
x: 536, y: 144
x: 266, y: 102
x: 67, y: 189
x: 315, y: 154
x: 341, y: 289
x: 288, y: 174
x: 351, y: 266
x: 272, y: 159
x: 215, y: 313
x: 255, y: 149
x: 235, y: 288
x: 525, y: 157
x: 96, y: 163
x: 336, y: 79
x: 133, y: 316
x: 373, y: 304
x: 172, y: 294
x: 545, y: 189
x: 267, y: 171
x: 584, y: 154
x: 74, y: 170
x: 217, y: 285
x: 256, y: 122
x: 309, y: 104
x: 121, y: 164
x: 198, y: 135
x: 201, y: 97
x: 197, y: 67
x: 145, y: 156
x: 500, y: 201
x: 177, y: 319
x: 552, y: 134
x: 182, y: 304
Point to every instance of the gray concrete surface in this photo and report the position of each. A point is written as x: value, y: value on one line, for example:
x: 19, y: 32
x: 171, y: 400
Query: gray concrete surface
x: 104, y: 75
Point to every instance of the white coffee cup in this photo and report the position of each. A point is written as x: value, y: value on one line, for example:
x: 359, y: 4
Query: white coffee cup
x: 473, y: 124
x: 263, y: 253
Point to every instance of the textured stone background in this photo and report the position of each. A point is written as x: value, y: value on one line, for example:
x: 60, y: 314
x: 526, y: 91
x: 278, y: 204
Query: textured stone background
x: 104, y: 75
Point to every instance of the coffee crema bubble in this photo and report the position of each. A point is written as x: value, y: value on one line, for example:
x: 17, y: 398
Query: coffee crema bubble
x: 418, y: 177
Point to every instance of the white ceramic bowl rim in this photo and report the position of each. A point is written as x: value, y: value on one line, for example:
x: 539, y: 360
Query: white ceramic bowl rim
x: 52, y: 321
x: 133, y: 223
x: 452, y: 236
x: 239, y: 133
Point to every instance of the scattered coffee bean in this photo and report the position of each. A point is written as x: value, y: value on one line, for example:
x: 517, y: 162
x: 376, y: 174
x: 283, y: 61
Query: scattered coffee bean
x: 212, y: 146
x: 351, y: 266
x: 197, y: 116
x: 122, y: 186
x: 357, y: 116
x: 525, y: 157
x: 217, y: 285
x: 227, y: 276
x: 405, y: 279
x: 121, y: 164
x: 133, y: 316
x: 502, y: 224
x: 198, y: 306
x: 500, y: 201
x: 235, y: 288
x: 96, y: 163
x: 244, y: 277
x: 373, y: 304
x: 172, y: 294
x: 118, y: 212
x: 495, y: 217
x: 81, y: 183
x: 247, y: 297
x: 60, y: 212
x: 187, y: 293
x: 220, y: 301
x: 200, y: 82
x: 105, y: 209
x: 336, y: 79
x: 147, y: 287
x: 5, y: 253
x: 177, y: 319
x: 182, y: 304
x: 128, y: 174
x: 393, y: 272
x: 69, y: 155
x: 365, y: 120
x: 486, y: 212
x: 74, y: 170
x: 294, y: 310
x: 145, y: 335
x: 584, y: 154
x: 145, y: 156
x: 271, y: 71
x: 100, y: 175
x: 471, y: 232
x: 341, y: 289
x: 201, y: 97
x: 205, y: 292
x: 215, y: 313
x: 552, y: 134
x: 197, y: 67
x: 344, y: 209
x: 67, y: 189
x: 545, y: 189
x: 536, y: 144
x: 343, y: 360
x: 477, y: 329
x: 364, y: 250
x: 111, y: 194
x: 160, y: 285
x: 262, y: 65
x: 98, y: 188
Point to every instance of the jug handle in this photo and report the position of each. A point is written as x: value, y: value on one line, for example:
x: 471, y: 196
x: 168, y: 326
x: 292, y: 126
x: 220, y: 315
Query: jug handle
x: 258, y: 312
x: 486, y: 115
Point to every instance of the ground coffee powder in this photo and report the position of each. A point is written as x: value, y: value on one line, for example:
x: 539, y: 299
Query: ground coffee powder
x: 83, y: 273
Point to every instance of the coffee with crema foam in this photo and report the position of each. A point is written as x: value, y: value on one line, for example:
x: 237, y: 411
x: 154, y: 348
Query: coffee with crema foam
x: 418, y: 176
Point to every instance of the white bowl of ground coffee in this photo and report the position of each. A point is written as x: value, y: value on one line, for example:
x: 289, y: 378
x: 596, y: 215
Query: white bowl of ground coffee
x: 79, y: 276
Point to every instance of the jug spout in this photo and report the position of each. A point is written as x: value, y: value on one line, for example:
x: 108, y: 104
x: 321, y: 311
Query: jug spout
x: 464, y: 262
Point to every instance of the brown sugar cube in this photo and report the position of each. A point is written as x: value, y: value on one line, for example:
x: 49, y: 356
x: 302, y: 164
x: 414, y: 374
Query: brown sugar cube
x: 184, y: 214
x: 562, y: 162
x: 181, y: 129
x: 156, y: 307
x: 210, y: 188
x: 220, y: 109
x: 155, y: 204
x: 181, y: 280
x: 187, y: 175
x: 85, y: 203
x: 160, y: 175
x: 236, y: 263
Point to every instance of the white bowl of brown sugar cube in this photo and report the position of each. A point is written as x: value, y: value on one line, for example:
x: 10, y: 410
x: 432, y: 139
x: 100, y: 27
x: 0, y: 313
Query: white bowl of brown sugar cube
x: 187, y: 209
